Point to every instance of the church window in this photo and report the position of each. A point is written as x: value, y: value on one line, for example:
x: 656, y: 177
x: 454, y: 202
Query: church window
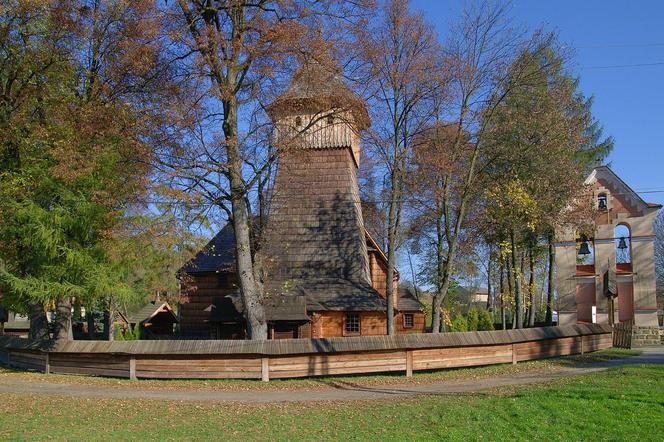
x: 352, y: 324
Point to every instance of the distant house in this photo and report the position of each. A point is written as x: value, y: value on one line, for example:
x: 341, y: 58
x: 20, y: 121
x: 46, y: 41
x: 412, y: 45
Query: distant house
x: 156, y: 318
x: 323, y: 273
x: 471, y: 296
x: 13, y: 324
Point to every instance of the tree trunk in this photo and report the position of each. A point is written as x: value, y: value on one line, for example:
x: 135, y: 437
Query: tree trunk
x: 502, y: 298
x: 90, y: 318
x: 254, y: 311
x: 392, y: 238
x: 531, y: 289
x: 63, y: 328
x: 412, y: 275
x: 510, y: 289
x: 518, y: 292
x: 442, y: 280
x: 108, y: 326
x: 488, y: 282
x: 550, y: 282
x: 38, y: 322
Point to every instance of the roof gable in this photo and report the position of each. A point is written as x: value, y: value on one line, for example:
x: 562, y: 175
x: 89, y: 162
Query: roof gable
x: 149, y: 311
x: 217, y: 255
x: 620, y: 190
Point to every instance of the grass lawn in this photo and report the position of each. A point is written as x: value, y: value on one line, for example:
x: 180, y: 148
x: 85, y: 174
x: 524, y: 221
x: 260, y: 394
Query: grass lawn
x: 624, y: 403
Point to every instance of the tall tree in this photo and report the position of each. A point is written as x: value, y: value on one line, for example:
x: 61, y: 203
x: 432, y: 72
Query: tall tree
x: 73, y: 150
x: 405, y: 71
x: 541, y: 141
x: 478, y: 57
x: 234, y: 54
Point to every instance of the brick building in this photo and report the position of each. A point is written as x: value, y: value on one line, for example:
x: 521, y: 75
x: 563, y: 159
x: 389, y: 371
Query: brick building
x: 608, y: 275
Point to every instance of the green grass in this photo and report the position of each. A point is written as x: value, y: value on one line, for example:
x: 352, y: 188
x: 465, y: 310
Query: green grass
x: 625, y: 403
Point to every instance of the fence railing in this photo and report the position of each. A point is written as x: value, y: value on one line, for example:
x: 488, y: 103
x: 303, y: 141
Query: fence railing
x: 622, y: 334
x: 291, y: 358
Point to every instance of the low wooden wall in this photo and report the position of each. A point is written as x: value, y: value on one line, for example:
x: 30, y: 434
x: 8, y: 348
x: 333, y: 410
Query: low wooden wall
x: 292, y: 358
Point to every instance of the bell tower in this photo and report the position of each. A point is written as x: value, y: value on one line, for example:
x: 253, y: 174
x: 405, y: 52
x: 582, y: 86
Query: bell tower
x: 315, y: 231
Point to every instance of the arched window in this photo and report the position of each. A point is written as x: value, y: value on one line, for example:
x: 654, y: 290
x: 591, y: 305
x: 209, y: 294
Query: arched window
x: 623, y: 243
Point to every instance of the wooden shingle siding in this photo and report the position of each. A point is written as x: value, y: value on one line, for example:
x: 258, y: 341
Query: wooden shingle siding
x: 331, y: 324
x: 419, y: 323
x: 315, y: 227
x: 202, y: 289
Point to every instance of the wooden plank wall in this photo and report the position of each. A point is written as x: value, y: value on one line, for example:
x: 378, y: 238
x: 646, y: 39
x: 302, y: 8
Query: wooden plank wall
x: 257, y: 366
x: 336, y: 364
x: 198, y: 367
x: 201, y: 291
x: 90, y: 364
x: 27, y: 360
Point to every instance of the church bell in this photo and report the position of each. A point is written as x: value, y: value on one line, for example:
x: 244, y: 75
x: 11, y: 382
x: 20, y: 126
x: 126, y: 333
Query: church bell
x: 585, y: 248
x: 622, y: 244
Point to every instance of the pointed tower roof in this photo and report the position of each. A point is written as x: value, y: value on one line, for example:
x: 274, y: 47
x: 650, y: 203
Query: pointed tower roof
x: 319, y: 86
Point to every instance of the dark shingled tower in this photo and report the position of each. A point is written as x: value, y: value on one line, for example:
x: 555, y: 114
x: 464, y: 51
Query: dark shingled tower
x: 314, y: 243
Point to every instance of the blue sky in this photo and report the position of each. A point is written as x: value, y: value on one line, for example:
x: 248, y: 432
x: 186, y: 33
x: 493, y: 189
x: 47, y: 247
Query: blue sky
x: 629, y: 101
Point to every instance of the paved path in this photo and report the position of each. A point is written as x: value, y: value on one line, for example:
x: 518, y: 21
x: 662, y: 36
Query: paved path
x: 343, y: 391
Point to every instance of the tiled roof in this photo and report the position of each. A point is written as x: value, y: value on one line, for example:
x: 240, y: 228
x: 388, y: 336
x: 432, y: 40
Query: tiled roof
x: 217, y: 255
x: 408, y: 301
x: 148, y: 311
x: 278, y: 308
x: 320, y: 87
x: 340, y: 294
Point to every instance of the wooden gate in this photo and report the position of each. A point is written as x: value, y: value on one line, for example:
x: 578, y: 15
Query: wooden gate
x: 622, y: 334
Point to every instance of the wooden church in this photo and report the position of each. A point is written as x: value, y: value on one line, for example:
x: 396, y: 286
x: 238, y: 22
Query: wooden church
x: 322, y: 272
x: 608, y: 275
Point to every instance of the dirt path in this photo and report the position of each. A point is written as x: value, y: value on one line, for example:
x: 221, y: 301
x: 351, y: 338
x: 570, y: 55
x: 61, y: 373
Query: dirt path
x: 344, y: 390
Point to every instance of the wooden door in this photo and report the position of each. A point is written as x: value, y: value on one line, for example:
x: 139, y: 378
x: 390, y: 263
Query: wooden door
x: 585, y: 300
x: 625, y: 300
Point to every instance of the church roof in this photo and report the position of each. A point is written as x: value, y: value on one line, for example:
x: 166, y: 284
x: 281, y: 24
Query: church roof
x: 149, y: 311
x: 408, y: 301
x: 340, y: 294
x: 277, y: 308
x: 217, y: 255
x: 319, y: 86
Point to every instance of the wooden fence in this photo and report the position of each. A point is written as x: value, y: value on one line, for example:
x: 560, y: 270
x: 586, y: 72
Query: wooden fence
x: 292, y: 358
x: 622, y: 334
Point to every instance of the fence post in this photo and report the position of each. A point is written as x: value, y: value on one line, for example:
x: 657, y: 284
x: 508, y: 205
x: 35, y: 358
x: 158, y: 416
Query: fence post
x: 47, y: 363
x: 513, y: 354
x: 132, y: 368
x: 265, y: 369
x: 582, y: 349
x: 409, y: 363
